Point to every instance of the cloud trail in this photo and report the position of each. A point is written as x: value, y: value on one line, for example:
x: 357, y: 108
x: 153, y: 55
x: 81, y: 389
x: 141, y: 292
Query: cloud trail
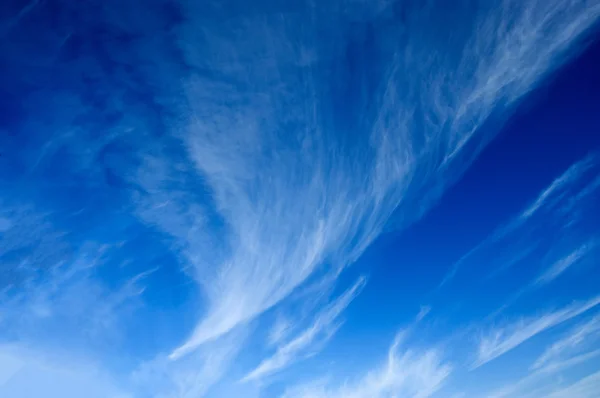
x: 564, y: 263
x: 585, y: 388
x: 322, y: 329
x: 574, y: 338
x: 560, y: 186
x: 563, y: 193
x: 529, y: 386
x: 300, y: 187
x: 502, y: 339
x: 408, y: 373
x: 191, y: 377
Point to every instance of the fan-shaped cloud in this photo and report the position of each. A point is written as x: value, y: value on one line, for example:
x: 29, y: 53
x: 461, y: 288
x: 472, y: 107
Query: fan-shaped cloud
x: 300, y: 185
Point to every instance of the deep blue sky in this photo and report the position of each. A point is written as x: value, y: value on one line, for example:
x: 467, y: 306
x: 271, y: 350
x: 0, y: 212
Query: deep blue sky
x: 348, y: 199
x: 549, y: 132
x: 534, y: 146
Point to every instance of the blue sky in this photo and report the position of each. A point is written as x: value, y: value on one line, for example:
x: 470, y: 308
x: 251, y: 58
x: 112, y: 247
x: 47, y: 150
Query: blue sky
x: 363, y: 199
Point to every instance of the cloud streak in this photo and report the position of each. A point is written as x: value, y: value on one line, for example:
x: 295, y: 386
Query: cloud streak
x: 559, y: 187
x: 563, y: 193
x: 540, y: 380
x: 585, y: 388
x: 560, y: 266
x: 576, y: 337
x: 296, y: 189
x: 405, y: 373
x: 502, y: 339
x: 323, y: 327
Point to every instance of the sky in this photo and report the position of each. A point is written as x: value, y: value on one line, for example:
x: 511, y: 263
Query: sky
x: 299, y: 199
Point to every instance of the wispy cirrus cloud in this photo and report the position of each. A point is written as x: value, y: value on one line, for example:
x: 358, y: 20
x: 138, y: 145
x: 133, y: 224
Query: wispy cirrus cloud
x: 566, y: 207
x: 522, y: 247
x: 62, y: 324
x: 66, y: 301
x: 499, y: 340
x: 59, y: 321
x: 406, y: 373
x: 425, y: 309
x: 293, y: 194
x: 576, y: 337
x: 564, y: 263
x: 194, y: 376
x: 281, y: 328
x: 541, y: 382
x: 323, y: 327
x: 586, y: 387
x: 563, y: 193
x: 560, y: 187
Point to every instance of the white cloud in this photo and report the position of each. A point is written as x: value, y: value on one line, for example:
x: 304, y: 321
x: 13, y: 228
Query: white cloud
x: 587, y: 387
x: 564, y: 263
x: 560, y: 186
x: 69, y: 303
x: 563, y: 191
x: 502, y: 339
x: 293, y: 195
x: 280, y: 330
x: 409, y: 373
x: 425, y: 309
x: 325, y: 324
x: 541, y: 379
x: 62, y: 324
x: 576, y: 337
x: 191, y: 377
x: 28, y: 231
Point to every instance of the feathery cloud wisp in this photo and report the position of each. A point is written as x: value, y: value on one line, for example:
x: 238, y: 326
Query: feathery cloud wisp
x: 563, y: 192
x: 529, y: 386
x: 505, y: 338
x: 408, y: 373
x: 587, y: 387
x: 560, y: 186
x: 561, y: 265
x: 289, y: 195
x: 323, y: 327
x: 574, y: 338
